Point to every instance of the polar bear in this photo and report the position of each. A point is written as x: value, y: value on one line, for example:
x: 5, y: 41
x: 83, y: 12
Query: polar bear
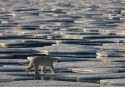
x: 36, y: 61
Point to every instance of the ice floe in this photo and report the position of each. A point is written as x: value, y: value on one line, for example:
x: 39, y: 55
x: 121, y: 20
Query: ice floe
x: 87, y: 36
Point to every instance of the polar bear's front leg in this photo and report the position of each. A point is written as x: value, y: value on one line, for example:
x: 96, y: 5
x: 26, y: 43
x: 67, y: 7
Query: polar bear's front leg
x: 29, y: 67
x: 43, y: 69
x: 36, y: 66
x: 52, y: 69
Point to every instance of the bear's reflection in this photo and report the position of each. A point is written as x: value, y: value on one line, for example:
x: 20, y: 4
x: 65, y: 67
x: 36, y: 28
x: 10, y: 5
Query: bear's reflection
x: 43, y: 77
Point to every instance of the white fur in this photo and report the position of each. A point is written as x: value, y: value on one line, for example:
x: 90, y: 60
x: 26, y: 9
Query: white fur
x: 36, y: 61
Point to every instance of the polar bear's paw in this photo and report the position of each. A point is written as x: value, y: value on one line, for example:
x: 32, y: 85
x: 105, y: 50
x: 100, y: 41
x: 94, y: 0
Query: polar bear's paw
x: 26, y: 71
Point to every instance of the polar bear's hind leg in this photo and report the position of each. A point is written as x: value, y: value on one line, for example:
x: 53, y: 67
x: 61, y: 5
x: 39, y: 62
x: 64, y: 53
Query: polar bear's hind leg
x: 43, y: 69
x: 52, y: 69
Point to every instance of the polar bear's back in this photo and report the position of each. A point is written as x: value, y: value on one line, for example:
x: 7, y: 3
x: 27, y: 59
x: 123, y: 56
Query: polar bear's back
x: 42, y: 60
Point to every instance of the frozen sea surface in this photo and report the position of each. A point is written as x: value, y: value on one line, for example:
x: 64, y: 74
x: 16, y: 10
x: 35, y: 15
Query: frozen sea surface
x: 88, y: 36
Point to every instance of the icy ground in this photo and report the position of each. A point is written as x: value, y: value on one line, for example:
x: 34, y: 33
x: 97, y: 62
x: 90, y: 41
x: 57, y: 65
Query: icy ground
x: 88, y: 36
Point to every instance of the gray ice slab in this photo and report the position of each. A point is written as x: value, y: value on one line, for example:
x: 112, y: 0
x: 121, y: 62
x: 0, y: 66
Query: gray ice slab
x: 24, y: 40
x: 37, y: 36
x: 16, y: 73
x: 87, y: 55
x: 90, y: 64
x: 45, y: 83
x: 13, y: 44
x: 107, y: 40
x: 13, y: 61
x: 68, y: 48
x: 25, y: 43
x: 4, y: 56
x: 112, y: 59
x: 71, y: 41
x: 102, y: 30
x: 68, y: 36
x: 101, y: 76
x: 114, y: 44
x: 97, y: 70
x: 45, y: 19
x: 5, y: 36
x: 113, y: 47
x: 12, y: 68
x: 113, y: 81
x: 34, y: 32
x: 76, y: 33
x: 89, y: 41
x: 6, y: 78
x: 12, y: 40
x: 110, y: 54
x: 84, y: 21
x: 70, y: 59
x: 111, y: 86
x: 18, y: 50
